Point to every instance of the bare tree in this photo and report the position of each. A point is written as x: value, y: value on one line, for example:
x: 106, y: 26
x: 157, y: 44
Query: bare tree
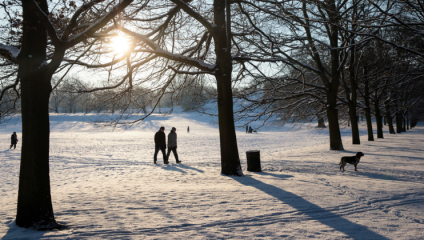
x: 41, y: 46
x: 185, y: 38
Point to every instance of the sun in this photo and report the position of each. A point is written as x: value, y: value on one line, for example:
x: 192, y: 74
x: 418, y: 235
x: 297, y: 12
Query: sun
x: 120, y: 44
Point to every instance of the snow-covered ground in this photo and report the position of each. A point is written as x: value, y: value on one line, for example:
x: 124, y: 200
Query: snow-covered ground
x: 105, y: 185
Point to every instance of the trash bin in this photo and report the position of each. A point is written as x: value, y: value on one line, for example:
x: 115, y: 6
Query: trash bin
x: 253, y: 161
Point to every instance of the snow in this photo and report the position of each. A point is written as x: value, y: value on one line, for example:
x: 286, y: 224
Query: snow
x: 105, y: 185
x: 14, y: 52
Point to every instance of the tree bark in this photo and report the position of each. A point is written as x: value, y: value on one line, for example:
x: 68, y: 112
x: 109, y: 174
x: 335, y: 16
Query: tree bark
x: 398, y: 122
x: 403, y: 123
x: 407, y: 121
x: 34, y: 199
x: 389, y: 119
x: 230, y: 160
x: 354, y: 125
x: 368, y: 109
x: 333, y: 126
x: 352, y: 99
x: 336, y: 142
x: 379, y: 120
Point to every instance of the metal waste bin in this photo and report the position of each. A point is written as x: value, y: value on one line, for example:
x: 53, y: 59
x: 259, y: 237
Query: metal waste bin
x: 253, y: 161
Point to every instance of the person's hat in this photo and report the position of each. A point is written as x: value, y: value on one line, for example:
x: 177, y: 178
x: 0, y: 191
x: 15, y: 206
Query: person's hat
x: 173, y: 129
x: 162, y: 128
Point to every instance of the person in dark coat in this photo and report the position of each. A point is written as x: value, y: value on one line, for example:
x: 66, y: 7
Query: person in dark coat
x: 172, y: 144
x: 250, y: 129
x: 160, y: 144
x: 188, y: 129
x: 14, y: 140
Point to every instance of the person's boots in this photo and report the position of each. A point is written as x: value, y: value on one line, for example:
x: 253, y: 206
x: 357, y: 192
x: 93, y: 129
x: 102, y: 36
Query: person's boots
x: 178, y: 161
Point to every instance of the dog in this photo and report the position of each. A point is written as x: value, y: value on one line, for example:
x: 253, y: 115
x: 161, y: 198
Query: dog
x: 354, y: 160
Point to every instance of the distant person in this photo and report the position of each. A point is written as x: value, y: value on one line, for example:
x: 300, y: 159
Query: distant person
x: 172, y: 144
x: 160, y: 144
x: 188, y: 129
x: 14, y: 140
x: 250, y: 129
x: 247, y: 128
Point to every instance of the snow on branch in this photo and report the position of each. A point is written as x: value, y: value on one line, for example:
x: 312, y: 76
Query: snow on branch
x: 9, y: 52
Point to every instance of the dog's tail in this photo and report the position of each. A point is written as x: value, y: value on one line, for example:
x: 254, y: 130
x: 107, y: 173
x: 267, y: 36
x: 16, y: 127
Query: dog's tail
x: 340, y: 163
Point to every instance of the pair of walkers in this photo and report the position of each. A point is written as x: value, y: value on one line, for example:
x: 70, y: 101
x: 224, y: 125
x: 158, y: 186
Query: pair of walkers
x: 160, y: 144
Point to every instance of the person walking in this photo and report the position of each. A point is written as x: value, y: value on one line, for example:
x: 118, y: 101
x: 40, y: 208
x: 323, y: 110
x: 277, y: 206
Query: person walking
x: 250, y: 129
x: 172, y: 144
x: 160, y: 144
x: 14, y: 140
x: 188, y: 129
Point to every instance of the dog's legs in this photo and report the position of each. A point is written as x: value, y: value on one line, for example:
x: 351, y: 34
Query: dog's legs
x: 342, y: 166
x: 355, y: 168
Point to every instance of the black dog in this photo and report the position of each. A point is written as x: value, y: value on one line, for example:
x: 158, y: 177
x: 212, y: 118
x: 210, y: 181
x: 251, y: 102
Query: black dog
x: 354, y: 160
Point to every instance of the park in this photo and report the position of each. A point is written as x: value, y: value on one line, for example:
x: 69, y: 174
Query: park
x: 90, y: 90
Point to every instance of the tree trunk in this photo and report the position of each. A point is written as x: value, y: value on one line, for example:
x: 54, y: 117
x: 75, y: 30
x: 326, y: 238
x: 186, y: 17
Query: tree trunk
x: 389, y: 119
x: 336, y: 142
x: 369, y: 124
x: 34, y: 199
x: 230, y: 160
x: 398, y: 122
x: 390, y: 123
x: 352, y: 99
x: 407, y: 121
x: 379, y: 121
x: 403, y: 123
x: 368, y: 109
x: 333, y: 126
x: 354, y: 125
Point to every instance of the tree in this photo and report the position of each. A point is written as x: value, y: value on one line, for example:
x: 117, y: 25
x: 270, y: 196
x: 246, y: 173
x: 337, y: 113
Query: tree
x: 210, y: 24
x: 40, y: 29
x: 314, y: 29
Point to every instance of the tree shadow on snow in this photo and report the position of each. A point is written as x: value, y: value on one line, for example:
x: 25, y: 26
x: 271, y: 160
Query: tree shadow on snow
x: 16, y: 232
x: 314, y: 211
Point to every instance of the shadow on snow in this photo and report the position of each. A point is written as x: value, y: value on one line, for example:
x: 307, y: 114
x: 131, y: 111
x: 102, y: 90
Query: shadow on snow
x: 314, y: 211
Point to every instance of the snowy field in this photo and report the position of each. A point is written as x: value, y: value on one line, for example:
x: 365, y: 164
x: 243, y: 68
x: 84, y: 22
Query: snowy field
x: 105, y: 185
